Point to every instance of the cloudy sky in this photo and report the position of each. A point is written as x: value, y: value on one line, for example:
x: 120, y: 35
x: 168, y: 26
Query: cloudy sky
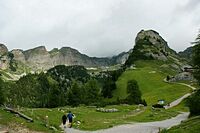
x: 96, y: 27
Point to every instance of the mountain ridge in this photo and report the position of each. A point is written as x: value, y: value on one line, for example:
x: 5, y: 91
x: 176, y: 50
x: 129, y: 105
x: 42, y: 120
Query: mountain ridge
x: 39, y: 58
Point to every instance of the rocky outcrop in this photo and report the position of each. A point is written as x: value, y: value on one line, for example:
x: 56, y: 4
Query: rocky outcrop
x: 40, y: 59
x: 184, y: 76
x: 151, y: 44
x: 3, y: 49
x: 18, y: 55
x: 4, y: 60
x: 122, y: 57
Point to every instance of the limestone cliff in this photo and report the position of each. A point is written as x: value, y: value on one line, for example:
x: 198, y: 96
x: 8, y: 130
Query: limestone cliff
x: 4, y: 60
x: 40, y: 59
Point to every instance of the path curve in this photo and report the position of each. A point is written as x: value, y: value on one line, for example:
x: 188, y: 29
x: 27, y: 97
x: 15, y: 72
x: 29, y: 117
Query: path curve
x: 178, y: 101
x: 146, y: 127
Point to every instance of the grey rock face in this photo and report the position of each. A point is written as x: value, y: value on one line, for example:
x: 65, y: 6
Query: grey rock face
x: 121, y: 58
x: 186, y: 76
x: 152, y: 44
x: 4, y: 60
x: 18, y: 55
x: 40, y: 58
x: 3, y: 49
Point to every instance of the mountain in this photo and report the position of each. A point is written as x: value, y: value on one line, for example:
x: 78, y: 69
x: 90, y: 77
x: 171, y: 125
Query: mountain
x: 4, y: 58
x: 187, y: 53
x: 149, y: 45
x: 40, y: 59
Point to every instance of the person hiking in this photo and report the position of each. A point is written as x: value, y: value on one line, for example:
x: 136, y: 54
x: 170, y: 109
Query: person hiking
x: 64, y: 120
x: 70, y: 118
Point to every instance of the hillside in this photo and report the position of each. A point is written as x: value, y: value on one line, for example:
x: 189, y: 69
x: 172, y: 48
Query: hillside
x: 150, y: 76
x: 192, y: 125
x: 149, y: 63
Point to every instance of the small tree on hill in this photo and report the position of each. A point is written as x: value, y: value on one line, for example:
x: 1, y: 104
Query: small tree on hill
x: 74, y: 95
x: 92, y: 91
x: 107, y: 88
x: 193, y: 103
x: 135, y: 94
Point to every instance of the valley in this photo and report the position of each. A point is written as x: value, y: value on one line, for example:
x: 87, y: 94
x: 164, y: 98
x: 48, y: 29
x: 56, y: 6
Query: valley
x: 44, y: 85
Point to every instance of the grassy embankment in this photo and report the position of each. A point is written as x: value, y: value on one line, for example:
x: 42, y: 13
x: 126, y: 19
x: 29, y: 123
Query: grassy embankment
x: 192, y: 125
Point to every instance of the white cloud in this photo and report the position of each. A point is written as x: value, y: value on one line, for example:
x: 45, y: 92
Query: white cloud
x: 96, y: 27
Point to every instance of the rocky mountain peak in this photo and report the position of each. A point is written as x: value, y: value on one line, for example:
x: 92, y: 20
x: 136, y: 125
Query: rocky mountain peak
x: 18, y: 55
x: 150, y: 45
x: 152, y: 37
x: 39, y: 49
x: 3, y: 49
x: 69, y: 49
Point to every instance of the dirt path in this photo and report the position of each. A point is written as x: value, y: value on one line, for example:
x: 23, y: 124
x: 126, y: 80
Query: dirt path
x: 147, y: 127
x: 178, y: 101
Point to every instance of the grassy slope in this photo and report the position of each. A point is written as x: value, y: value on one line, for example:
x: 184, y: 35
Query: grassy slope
x: 90, y: 119
x: 151, y: 85
x: 150, y: 80
x: 192, y: 125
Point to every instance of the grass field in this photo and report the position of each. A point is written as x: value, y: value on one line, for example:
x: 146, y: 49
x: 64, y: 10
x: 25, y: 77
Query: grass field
x: 88, y: 117
x: 150, y: 80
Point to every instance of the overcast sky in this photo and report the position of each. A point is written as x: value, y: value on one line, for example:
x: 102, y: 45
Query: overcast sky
x: 96, y: 27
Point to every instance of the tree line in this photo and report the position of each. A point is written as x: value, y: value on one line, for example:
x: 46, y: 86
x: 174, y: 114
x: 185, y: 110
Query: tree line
x: 65, y: 85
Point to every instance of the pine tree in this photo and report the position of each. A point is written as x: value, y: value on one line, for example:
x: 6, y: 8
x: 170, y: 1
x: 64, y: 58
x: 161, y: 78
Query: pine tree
x: 134, y: 92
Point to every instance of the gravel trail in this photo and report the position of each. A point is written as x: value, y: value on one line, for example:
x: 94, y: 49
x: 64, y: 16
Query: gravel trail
x: 146, y: 127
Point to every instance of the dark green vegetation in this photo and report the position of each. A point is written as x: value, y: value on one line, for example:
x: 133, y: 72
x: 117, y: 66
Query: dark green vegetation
x: 150, y: 76
x: 194, y: 103
x: 194, y: 100
x: 192, y: 125
x: 61, y: 86
x: 196, y: 58
x: 134, y: 94
x: 152, y: 90
x: 2, y: 97
x: 137, y: 54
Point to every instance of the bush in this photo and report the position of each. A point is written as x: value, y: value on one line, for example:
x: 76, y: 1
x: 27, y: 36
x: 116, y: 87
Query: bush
x: 157, y: 106
x: 193, y: 102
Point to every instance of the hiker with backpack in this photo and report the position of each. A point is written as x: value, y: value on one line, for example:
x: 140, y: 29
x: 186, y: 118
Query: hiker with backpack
x: 70, y: 117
